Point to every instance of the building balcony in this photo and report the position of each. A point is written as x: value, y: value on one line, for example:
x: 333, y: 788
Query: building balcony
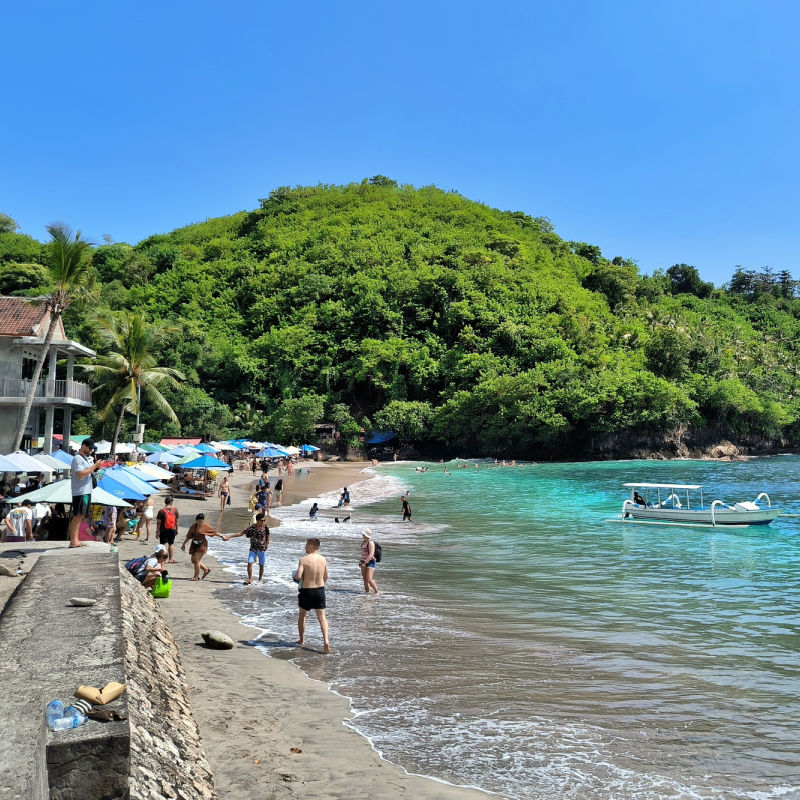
x: 13, y: 391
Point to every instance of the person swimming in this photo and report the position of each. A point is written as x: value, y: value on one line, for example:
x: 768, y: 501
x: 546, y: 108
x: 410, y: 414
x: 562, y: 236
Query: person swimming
x: 314, y: 511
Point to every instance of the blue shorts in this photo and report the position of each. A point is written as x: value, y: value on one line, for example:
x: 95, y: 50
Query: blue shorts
x: 370, y: 564
x: 260, y: 554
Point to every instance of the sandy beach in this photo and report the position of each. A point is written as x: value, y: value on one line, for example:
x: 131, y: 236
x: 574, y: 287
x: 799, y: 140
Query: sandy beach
x: 268, y: 730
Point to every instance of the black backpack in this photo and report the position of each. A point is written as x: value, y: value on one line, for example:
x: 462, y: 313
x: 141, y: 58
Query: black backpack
x: 378, y: 552
x: 135, y: 564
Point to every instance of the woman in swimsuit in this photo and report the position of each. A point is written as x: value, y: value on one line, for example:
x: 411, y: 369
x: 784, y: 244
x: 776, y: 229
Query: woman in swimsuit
x: 224, y: 491
x: 199, y: 546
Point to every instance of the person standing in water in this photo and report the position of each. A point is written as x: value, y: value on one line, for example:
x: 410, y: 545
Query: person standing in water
x: 367, y: 562
x: 258, y: 535
x: 312, y: 574
x: 406, y: 508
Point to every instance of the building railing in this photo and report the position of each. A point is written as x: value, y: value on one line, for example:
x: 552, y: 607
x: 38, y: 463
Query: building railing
x: 66, y: 391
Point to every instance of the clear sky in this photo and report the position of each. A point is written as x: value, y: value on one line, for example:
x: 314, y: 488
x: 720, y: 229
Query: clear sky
x: 665, y: 132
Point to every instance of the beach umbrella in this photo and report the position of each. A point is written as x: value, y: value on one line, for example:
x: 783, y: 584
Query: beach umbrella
x: 226, y: 446
x: 111, y: 486
x: 204, y: 448
x: 152, y: 472
x: 206, y: 462
x: 162, y: 458
x: 186, y: 459
x: 26, y: 463
x: 292, y: 450
x: 6, y: 465
x: 124, y: 448
x: 152, y: 447
x: 184, y: 450
x: 103, y: 447
x: 61, y: 492
x: 58, y: 466
x: 271, y: 452
x: 131, y: 481
x: 64, y: 458
x: 140, y: 476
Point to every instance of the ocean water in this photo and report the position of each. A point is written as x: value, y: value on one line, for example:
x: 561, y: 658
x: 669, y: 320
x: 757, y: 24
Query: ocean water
x: 525, y: 645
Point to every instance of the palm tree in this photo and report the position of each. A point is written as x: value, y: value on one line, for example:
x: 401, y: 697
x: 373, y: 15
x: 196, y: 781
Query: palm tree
x: 71, y: 277
x: 129, y: 369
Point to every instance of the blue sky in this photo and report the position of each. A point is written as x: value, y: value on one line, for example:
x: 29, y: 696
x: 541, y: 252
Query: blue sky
x: 665, y: 132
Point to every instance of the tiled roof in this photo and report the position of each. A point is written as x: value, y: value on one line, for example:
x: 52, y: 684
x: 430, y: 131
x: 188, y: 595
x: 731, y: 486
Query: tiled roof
x: 20, y: 317
x: 177, y: 442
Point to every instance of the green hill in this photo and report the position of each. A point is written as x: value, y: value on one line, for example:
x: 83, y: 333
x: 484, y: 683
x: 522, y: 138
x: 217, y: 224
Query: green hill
x: 460, y: 326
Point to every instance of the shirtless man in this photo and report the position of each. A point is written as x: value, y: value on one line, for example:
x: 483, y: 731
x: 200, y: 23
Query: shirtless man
x: 312, y: 573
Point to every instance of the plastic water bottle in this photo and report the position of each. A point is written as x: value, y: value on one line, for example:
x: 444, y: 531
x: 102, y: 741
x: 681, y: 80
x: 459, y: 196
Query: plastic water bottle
x: 76, y: 716
x: 53, y: 713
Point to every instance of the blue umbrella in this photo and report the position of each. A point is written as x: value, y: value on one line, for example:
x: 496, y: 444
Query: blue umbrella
x: 308, y: 447
x: 204, y: 448
x: 119, y: 475
x: 183, y: 450
x: 205, y: 462
x: 66, y: 458
x: 162, y: 458
x: 111, y: 486
x: 271, y: 452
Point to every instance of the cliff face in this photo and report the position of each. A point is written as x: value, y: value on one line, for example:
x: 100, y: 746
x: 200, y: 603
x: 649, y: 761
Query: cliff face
x: 683, y: 441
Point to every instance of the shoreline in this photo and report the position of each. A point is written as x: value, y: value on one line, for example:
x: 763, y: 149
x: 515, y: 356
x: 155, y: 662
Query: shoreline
x: 253, y: 717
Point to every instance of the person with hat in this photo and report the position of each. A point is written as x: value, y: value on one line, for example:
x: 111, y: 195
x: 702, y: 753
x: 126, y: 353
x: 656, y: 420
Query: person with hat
x: 367, y: 562
x: 152, y: 568
x: 83, y: 468
x: 198, y: 533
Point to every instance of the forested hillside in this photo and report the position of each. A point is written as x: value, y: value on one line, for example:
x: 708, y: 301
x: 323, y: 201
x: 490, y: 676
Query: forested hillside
x: 459, y: 326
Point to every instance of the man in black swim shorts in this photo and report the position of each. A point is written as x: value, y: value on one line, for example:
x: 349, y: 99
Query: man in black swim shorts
x: 312, y: 573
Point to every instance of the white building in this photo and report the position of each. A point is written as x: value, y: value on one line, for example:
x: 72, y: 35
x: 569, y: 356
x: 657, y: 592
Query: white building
x: 23, y: 328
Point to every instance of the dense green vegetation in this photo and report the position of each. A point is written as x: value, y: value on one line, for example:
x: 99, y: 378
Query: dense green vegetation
x: 452, y: 323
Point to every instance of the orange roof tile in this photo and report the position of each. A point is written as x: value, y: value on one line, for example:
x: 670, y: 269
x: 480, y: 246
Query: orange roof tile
x: 21, y: 317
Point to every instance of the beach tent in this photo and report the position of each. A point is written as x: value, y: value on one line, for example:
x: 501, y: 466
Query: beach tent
x: 64, y: 458
x: 120, y: 475
x: 123, y: 448
x: 58, y: 466
x: 226, y: 446
x: 61, y: 492
x: 108, y: 484
x: 26, y: 463
x: 206, y: 462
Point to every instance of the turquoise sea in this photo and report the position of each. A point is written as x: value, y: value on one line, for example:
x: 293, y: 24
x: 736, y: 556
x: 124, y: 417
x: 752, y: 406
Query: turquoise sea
x: 525, y: 645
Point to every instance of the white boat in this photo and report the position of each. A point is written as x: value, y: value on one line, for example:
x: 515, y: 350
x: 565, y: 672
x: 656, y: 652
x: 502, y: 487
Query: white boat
x: 673, y: 503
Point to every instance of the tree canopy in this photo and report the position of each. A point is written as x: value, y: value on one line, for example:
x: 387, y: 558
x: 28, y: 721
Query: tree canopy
x: 455, y: 324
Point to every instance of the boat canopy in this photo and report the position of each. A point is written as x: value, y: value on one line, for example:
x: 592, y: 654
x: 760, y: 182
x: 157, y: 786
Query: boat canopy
x: 662, y: 486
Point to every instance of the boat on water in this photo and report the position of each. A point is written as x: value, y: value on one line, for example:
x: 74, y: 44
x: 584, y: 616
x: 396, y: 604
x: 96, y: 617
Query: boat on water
x: 670, y: 503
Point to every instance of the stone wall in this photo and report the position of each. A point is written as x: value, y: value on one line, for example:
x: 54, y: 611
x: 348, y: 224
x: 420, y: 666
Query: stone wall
x: 167, y: 758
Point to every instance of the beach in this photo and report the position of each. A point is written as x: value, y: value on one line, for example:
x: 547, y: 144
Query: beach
x: 268, y: 730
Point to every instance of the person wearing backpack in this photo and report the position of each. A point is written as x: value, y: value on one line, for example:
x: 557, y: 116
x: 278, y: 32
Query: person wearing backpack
x: 367, y: 562
x: 167, y: 526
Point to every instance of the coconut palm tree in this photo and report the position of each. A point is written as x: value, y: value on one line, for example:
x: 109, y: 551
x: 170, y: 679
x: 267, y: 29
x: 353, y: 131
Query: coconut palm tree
x: 70, y: 277
x: 129, y: 369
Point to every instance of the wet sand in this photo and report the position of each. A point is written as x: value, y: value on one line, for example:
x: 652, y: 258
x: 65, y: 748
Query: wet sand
x: 268, y: 730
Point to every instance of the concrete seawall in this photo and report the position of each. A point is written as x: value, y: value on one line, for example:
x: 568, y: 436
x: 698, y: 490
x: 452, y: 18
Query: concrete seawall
x: 49, y: 647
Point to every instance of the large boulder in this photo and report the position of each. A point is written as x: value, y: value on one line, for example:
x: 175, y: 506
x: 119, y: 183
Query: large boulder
x: 217, y: 640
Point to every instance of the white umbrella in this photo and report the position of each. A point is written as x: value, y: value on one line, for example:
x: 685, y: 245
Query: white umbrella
x: 102, y: 447
x: 224, y: 446
x: 61, y: 492
x: 124, y: 448
x: 57, y: 465
x: 291, y: 450
x: 27, y: 463
x: 151, y: 472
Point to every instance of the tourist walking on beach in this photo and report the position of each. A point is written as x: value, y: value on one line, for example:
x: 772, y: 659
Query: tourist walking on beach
x: 367, y: 562
x: 406, y: 508
x: 167, y: 526
x: 224, y: 492
x: 258, y: 535
x: 312, y: 574
x: 82, y: 468
x: 147, y: 514
x: 198, y: 533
